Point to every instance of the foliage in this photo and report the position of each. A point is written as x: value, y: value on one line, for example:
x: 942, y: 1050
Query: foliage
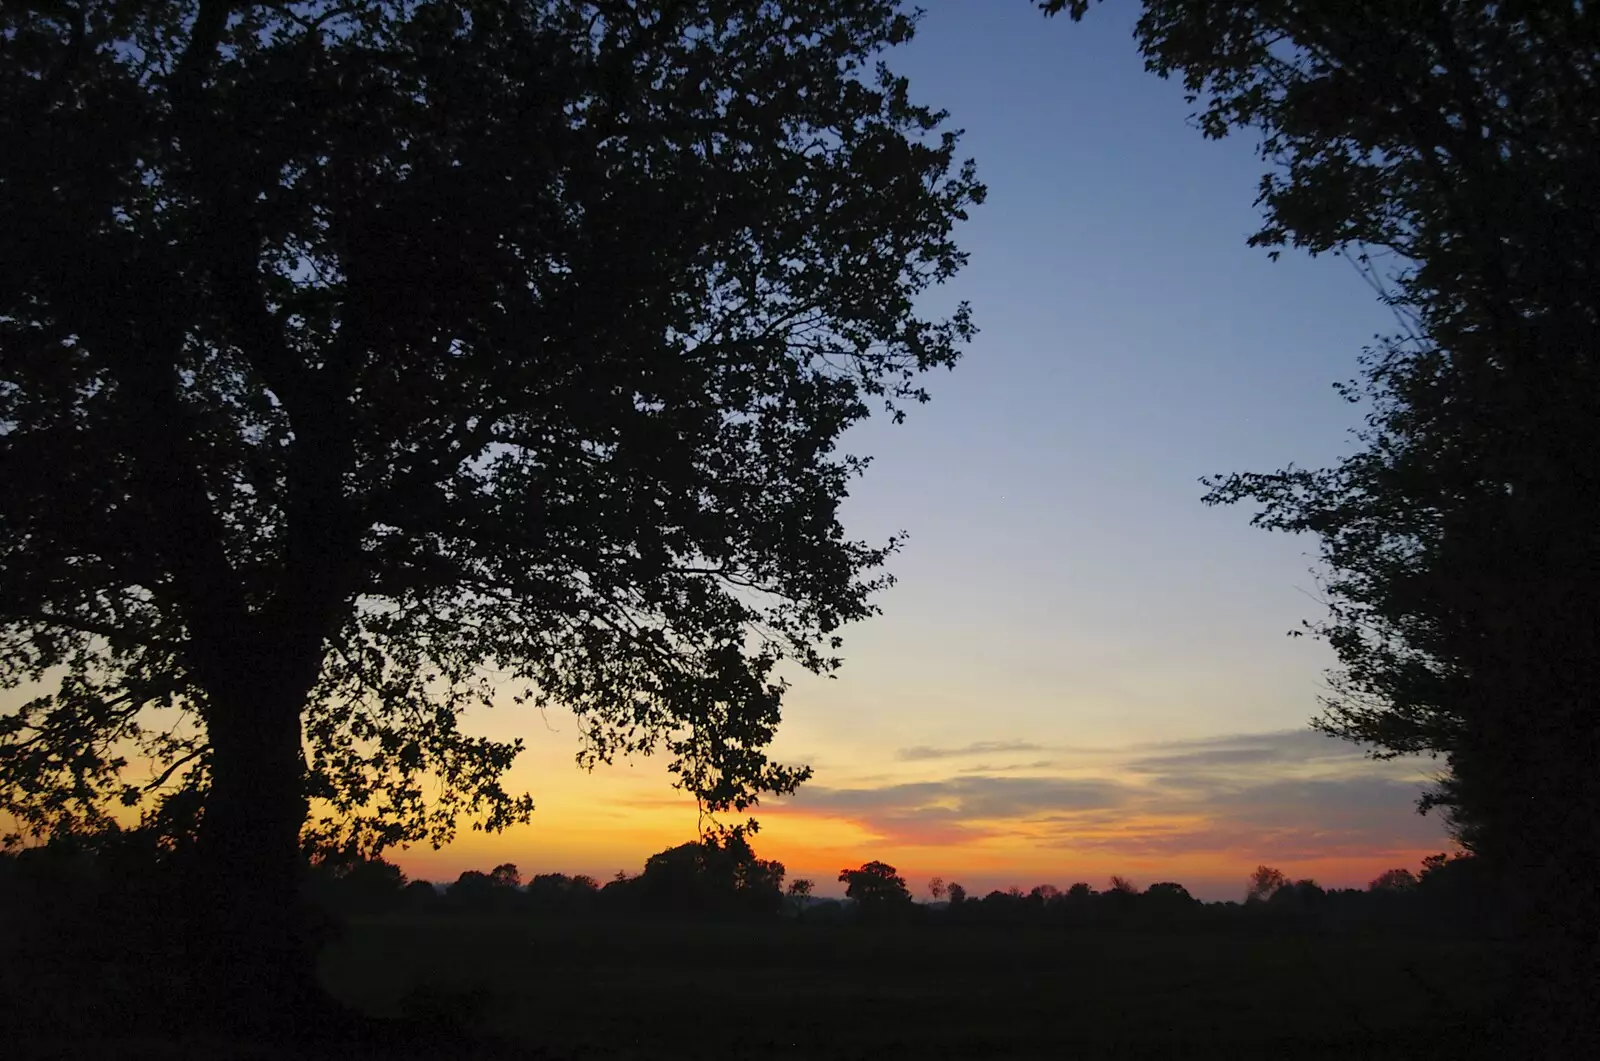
x: 67, y: 883
x: 557, y: 893
x: 799, y: 895
x: 346, y: 881
x: 1264, y: 882
x: 1170, y: 893
x: 711, y: 874
x: 876, y: 887
x: 1393, y: 880
x: 363, y: 363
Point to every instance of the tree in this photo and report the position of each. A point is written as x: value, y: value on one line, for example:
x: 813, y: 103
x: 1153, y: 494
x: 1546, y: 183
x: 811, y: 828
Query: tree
x: 1123, y: 886
x: 350, y: 356
x: 558, y: 893
x: 1264, y: 882
x: 1393, y: 881
x: 717, y: 873
x: 348, y: 882
x: 1447, y: 149
x: 420, y: 895
x: 876, y: 887
x: 800, y: 891
x: 506, y: 875
x: 936, y: 889
x: 1170, y: 892
x: 957, y: 893
x: 473, y: 890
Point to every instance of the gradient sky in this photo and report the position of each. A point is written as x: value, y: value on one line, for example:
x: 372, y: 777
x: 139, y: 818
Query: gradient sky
x: 1082, y: 671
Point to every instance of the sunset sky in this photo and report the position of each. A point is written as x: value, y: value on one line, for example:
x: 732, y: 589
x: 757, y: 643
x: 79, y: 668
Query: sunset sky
x: 1083, y: 671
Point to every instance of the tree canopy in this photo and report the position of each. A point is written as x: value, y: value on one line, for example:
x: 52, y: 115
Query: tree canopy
x: 363, y: 363
x: 366, y: 362
x: 877, y: 886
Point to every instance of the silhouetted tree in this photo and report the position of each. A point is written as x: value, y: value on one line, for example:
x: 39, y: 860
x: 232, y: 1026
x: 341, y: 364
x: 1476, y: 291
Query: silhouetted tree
x: 473, y: 890
x: 350, y: 350
x: 1302, y: 895
x: 1169, y: 892
x: 620, y: 894
x: 350, y: 882
x: 957, y: 893
x: 420, y: 896
x: 1263, y: 883
x: 1448, y: 149
x: 717, y: 873
x: 876, y: 887
x: 936, y: 889
x: 1393, y: 880
x: 557, y: 893
x: 1168, y: 904
x: 1119, y: 903
x: 800, y: 894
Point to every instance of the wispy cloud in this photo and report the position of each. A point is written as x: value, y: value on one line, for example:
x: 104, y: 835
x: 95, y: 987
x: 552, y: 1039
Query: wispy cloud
x: 1282, y: 747
x: 1011, y: 768
x: 953, y: 810
x: 969, y: 796
x: 923, y: 752
x: 1286, y: 820
x: 1287, y: 795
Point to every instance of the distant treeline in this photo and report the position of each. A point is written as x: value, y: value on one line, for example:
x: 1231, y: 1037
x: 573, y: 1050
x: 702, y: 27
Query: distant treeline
x: 1446, y: 895
x: 723, y: 878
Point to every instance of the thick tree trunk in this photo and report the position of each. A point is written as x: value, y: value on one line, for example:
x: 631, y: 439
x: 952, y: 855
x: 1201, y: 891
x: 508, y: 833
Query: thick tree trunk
x: 249, y: 949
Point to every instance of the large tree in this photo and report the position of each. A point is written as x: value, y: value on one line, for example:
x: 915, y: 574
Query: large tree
x: 877, y: 887
x: 364, y: 361
x: 1447, y: 147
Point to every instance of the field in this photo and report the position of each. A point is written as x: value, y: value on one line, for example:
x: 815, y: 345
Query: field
x: 605, y: 990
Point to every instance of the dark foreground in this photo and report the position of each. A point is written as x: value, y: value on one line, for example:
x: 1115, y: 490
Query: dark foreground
x: 517, y: 987
x: 786, y: 990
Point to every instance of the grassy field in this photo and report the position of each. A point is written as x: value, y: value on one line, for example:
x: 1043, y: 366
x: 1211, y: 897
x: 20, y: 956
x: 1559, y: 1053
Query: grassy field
x: 786, y: 990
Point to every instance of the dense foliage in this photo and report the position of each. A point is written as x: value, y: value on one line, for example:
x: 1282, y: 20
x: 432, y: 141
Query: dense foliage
x: 353, y: 355
x: 364, y: 362
x: 723, y: 878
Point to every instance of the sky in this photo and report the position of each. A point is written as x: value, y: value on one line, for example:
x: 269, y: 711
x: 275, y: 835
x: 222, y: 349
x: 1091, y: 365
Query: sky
x: 1082, y: 670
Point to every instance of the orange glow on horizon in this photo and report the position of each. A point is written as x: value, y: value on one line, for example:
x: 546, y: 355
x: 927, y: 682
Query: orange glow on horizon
x: 606, y: 836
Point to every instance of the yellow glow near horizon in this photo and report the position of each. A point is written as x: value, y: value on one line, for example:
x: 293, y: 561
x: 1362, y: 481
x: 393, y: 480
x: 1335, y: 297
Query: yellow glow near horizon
x: 909, y: 812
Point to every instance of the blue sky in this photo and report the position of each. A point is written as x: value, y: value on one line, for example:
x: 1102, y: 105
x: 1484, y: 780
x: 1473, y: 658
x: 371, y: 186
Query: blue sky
x: 1131, y: 342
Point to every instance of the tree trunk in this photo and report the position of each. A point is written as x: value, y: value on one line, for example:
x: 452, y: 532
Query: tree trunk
x: 249, y: 948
